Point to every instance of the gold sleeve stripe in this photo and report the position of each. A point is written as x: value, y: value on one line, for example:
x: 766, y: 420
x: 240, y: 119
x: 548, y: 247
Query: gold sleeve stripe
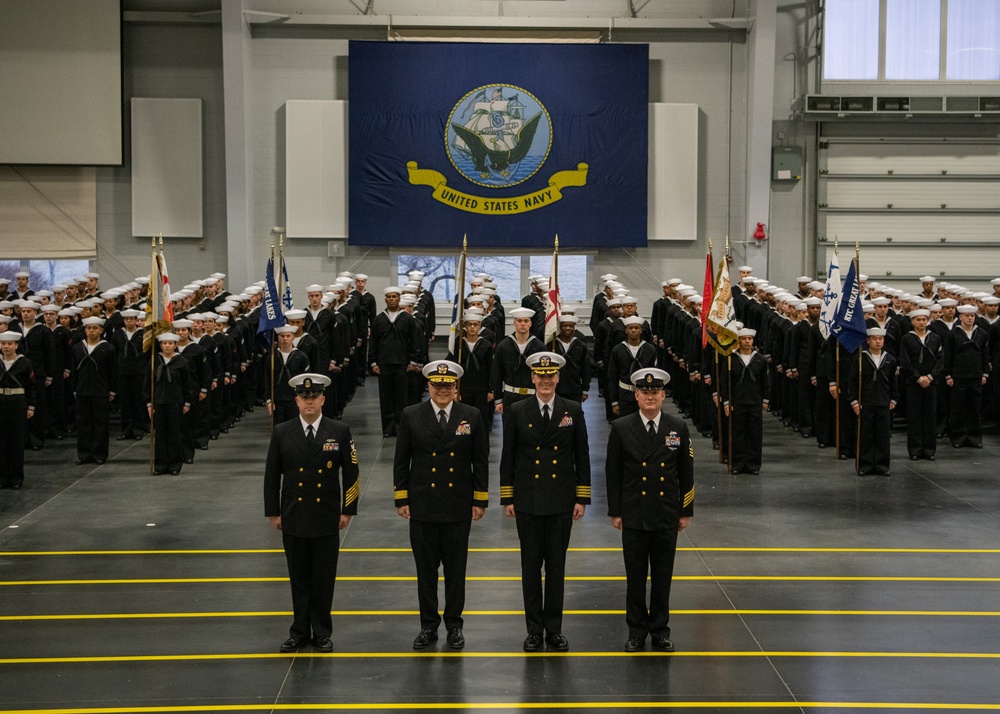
x: 691, y: 451
x: 402, y: 494
x: 582, y: 491
x: 352, y: 494
x: 480, y: 495
x: 689, y: 497
x: 506, y: 492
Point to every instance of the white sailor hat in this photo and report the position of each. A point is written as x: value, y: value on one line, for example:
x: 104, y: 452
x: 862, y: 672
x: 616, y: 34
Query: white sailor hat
x: 614, y: 302
x: 545, y: 363
x: 286, y: 329
x: 222, y: 318
x: 243, y: 297
x: 408, y: 299
x: 309, y: 383
x: 630, y: 300
x: 472, y: 316
x: 772, y: 289
x: 867, y: 307
x: 337, y: 288
x: 649, y: 379
x: 260, y: 283
x: 686, y: 292
x: 360, y: 276
x: 815, y: 285
x: 327, y: 298
x: 522, y: 312
x: 862, y: 277
x: 183, y: 324
x: 609, y: 276
x: 6, y: 304
x: 745, y: 269
x: 392, y: 289
x: 813, y: 301
x: 488, y: 292
x: 22, y: 274
x: 476, y: 298
x: 88, y: 321
x: 314, y: 288
x: 50, y: 308
x: 924, y: 302
x: 27, y: 304
x: 696, y: 299
x: 799, y: 305
x: 995, y: 281
x: 919, y: 313
x: 4, y: 319
x: 746, y: 332
x: 959, y: 290
x: 875, y: 332
x: 568, y: 317
x: 254, y: 290
x: 966, y: 309
x: 881, y: 301
x: 218, y: 276
x: 91, y: 275
x: 131, y: 313
x: 991, y: 300
x: 948, y: 302
x: 410, y: 288
x: 142, y: 280
x: 80, y: 280
x: 685, y: 286
x: 348, y: 274
x: 225, y: 307
x: 195, y: 317
x: 65, y: 312
x: 629, y: 321
x: 206, y: 282
x: 907, y: 297
x: 442, y: 371
x: 10, y: 336
x: 675, y: 281
x: 4, y: 281
x: 803, y: 279
x: 536, y: 278
x: 926, y: 279
x: 44, y: 293
x: 295, y: 314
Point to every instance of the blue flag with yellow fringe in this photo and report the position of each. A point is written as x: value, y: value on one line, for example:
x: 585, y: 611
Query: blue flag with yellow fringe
x: 509, y: 143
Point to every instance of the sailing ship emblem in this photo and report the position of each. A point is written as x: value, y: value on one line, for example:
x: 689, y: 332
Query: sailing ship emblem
x: 498, y: 135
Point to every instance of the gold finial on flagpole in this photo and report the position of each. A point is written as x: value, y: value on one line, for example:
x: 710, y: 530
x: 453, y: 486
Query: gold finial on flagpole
x: 557, y: 242
x: 857, y: 249
x: 154, y: 242
x: 836, y: 243
x: 161, y: 241
x: 465, y: 241
x: 709, y: 245
x: 727, y: 245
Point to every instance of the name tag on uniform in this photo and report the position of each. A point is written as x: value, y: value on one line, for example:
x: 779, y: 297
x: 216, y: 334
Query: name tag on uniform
x: 464, y: 429
x: 672, y: 440
x: 331, y: 445
x: 567, y: 420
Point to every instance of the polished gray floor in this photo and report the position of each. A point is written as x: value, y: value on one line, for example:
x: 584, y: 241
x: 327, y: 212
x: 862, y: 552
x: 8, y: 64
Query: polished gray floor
x: 802, y: 588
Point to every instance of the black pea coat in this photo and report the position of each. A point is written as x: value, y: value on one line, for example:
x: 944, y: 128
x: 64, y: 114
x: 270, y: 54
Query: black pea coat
x: 545, y: 470
x: 302, y: 483
x: 574, y: 377
x: 441, y: 473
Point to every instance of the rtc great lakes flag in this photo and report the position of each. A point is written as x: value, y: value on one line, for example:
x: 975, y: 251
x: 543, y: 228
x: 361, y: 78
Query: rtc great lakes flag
x: 510, y: 143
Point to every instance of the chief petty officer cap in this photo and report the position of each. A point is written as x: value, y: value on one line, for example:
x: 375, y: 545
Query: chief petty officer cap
x: 651, y: 379
x: 309, y: 383
x: 442, y: 371
x: 876, y: 332
x: 520, y: 312
x: 543, y: 363
x: 10, y: 336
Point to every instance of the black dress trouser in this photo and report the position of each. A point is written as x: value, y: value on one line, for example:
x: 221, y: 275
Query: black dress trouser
x: 544, y: 540
x: 312, y: 572
x: 392, y: 395
x: 93, y: 416
x: 434, y: 545
x: 652, y: 553
x: 921, y: 419
x: 875, y: 424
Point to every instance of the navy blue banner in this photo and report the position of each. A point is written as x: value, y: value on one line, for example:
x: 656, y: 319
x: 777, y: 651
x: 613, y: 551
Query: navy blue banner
x: 510, y: 144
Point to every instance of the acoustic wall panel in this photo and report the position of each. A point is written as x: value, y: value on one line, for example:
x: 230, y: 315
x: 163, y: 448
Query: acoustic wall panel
x: 167, y: 167
x: 48, y: 212
x: 673, y: 171
x: 316, y: 169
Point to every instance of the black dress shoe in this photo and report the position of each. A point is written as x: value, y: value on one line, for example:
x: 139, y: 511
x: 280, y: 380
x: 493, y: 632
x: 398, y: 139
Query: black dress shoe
x: 188, y: 461
x: 323, y: 644
x: 930, y: 457
x: 885, y: 473
x: 735, y: 472
x: 16, y: 486
x: 174, y: 473
x: 557, y: 642
x: 821, y: 445
x: 955, y: 446
x: 533, y: 643
x: 753, y: 472
x: 122, y: 437
x: 157, y: 473
x: 425, y: 639
x: 292, y: 644
x: 914, y: 457
x: 663, y: 644
x: 977, y: 446
x: 456, y: 640
x: 634, y: 644
x: 81, y: 462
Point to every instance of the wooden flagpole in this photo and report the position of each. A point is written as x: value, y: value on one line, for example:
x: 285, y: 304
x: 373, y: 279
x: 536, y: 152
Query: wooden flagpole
x: 459, y: 314
x: 555, y: 302
x: 836, y: 349
x: 857, y: 280
x: 154, y: 275
x: 272, y: 342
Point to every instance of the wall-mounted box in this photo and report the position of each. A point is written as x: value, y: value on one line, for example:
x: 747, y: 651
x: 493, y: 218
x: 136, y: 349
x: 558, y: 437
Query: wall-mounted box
x: 786, y: 163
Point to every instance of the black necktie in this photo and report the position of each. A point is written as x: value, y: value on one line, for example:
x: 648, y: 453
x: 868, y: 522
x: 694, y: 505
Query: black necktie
x: 545, y: 415
x: 443, y: 418
x: 310, y: 437
x: 652, y: 428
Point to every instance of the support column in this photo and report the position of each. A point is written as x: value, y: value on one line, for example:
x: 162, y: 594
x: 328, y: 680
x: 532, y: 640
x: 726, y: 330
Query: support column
x: 760, y: 110
x: 236, y: 80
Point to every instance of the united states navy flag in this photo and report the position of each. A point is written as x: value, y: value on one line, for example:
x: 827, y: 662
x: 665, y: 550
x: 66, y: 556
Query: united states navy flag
x: 510, y: 143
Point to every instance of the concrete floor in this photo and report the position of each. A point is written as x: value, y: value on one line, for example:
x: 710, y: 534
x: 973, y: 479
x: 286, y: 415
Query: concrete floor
x: 801, y: 588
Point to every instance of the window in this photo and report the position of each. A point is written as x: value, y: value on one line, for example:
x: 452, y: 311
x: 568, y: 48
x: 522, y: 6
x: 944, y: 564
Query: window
x: 913, y: 39
x: 973, y: 39
x: 509, y: 273
x: 46, y: 273
x: 851, y: 39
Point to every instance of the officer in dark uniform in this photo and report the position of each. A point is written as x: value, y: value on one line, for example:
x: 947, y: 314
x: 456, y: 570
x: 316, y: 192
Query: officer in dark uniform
x: 650, y: 480
x: 873, y: 401
x: 304, y: 499
x: 441, y: 482
x: 18, y: 397
x: 545, y: 485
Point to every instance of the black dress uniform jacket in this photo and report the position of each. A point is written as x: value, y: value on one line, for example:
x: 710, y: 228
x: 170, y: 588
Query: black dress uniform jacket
x: 545, y: 469
x: 441, y: 473
x: 302, y: 483
x: 650, y: 480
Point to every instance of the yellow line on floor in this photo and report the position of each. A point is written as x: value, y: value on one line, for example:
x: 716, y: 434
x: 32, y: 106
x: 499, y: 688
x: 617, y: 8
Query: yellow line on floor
x: 440, y: 706
x: 720, y: 549
x: 491, y: 655
x: 491, y: 613
x: 511, y: 578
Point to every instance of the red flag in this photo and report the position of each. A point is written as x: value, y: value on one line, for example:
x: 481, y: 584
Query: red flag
x: 706, y: 299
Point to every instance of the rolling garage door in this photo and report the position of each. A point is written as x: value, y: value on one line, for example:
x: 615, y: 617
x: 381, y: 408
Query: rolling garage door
x: 915, y: 206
